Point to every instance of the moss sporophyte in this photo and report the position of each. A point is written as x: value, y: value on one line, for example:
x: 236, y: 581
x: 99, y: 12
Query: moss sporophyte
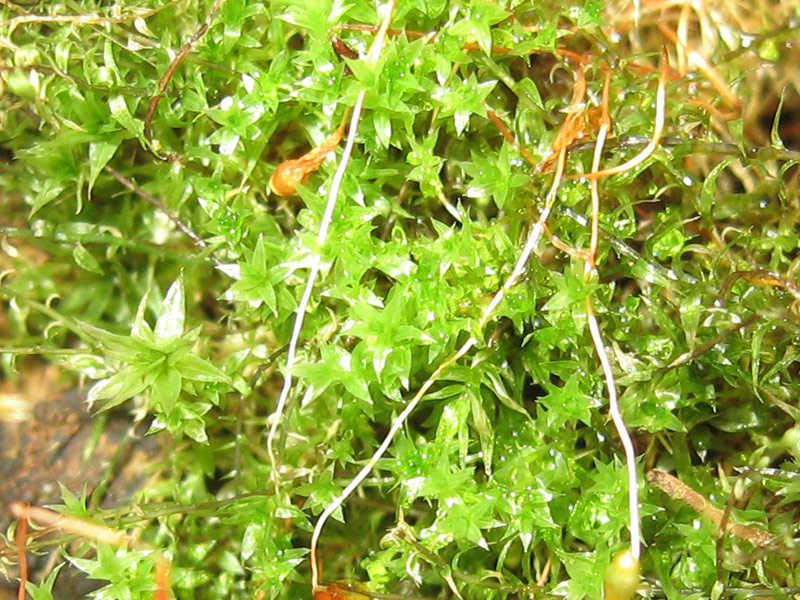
x: 415, y: 299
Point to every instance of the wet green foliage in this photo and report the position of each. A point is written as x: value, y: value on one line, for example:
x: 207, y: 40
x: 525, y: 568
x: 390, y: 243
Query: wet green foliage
x: 508, y: 480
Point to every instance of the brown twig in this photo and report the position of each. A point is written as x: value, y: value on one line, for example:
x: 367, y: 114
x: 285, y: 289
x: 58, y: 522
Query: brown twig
x: 83, y: 528
x: 167, y: 76
x: 675, y: 488
x: 98, y: 533
x: 163, y: 208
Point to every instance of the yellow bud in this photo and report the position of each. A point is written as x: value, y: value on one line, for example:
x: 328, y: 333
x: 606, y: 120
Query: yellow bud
x: 622, y: 577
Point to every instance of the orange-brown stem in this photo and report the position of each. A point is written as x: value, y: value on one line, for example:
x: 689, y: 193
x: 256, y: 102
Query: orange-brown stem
x: 22, y: 534
x: 510, y: 136
x: 698, y: 60
x: 761, y: 277
x: 290, y: 173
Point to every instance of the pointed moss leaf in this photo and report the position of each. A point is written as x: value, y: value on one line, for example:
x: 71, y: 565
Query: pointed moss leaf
x: 141, y: 328
x: 233, y: 15
x: 336, y: 365
x: 48, y: 191
x: 454, y: 417
x: 652, y: 409
x: 73, y: 504
x: 165, y: 389
x: 493, y: 176
x: 321, y: 493
x: 83, y: 564
x: 529, y: 89
x: 100, y: 152
x: 445, y: 482
x: 364, y: 72
x: 195, y: 368
x: 536, y: 514
x: 386, y: 335
x: 257, y: 280
x: 426, y: 165
x: 119, y: 347
x: 483, y: 425
x: 44, y: 591
x: 431, y: 8
x: 21, y: 84
x: 85, y: 260
x: 493, y: 381
x: 254, y: 536
x: 383, y: 128
x: 464, y: 98
x: 586, y: 572
x: 195, y: 428
x: 114, y: 391
x: 650, y: 272
x: 591, y: 13
x: 476, y: 27
x: 122, y: 115
x: 465, y: 522
x: 568, y: 404
x: 670, y: 241
x: 170, y: 322
x: 709, y: 190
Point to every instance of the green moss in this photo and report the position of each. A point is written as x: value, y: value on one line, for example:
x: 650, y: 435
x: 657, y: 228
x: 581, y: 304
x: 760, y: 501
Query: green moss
x: 510, y: 468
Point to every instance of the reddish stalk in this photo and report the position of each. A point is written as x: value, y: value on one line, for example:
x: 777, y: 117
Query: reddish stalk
x: 658, y: 131
x: 82, y: 528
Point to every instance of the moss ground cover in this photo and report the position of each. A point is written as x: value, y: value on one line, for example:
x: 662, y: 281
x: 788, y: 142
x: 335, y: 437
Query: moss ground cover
x: 146, y: 256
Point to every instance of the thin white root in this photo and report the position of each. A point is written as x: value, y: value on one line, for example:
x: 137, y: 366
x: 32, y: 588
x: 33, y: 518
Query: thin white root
x: 532, y: 241
x: 322, y: 236
x: 597, y: 338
